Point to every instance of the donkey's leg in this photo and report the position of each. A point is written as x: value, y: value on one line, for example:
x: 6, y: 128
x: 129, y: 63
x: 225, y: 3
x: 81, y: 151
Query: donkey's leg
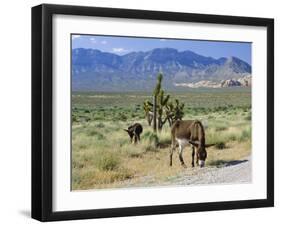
x: 180, y: 155
x: 193, y: 153
x: 197, y: 159
x: 138, y: 137
x: 173, y: 147
x: 134, y: 138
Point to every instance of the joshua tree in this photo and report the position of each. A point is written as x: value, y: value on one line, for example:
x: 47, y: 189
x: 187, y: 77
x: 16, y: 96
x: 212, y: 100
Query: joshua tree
x: 178, y: 110
x: 147, y: 107
x: 156, y: 92
x: 174, y: 111
x: 170, y: 112
x: 162, y: 101
x: 162, y: 110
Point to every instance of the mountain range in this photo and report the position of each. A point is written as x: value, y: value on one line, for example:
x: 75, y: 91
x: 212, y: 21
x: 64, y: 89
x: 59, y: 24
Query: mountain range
x: 93, y: 69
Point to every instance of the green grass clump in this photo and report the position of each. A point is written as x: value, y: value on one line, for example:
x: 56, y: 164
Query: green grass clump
x: 245, y: 135
x: 96, y: 134
x: 220, y: 145
x: 221, y: 128
x: 213, y: 138
x: 154, y: 140
x: 74, y: 118
x: 151, y: 148
x: 121, y: 117
x: 106, y: 161
x: 147, y: 134
x: 100, y: 125
x: 151, y: 137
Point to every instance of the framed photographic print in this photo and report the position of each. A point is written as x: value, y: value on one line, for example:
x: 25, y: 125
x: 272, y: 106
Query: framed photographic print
x: 145, y: 112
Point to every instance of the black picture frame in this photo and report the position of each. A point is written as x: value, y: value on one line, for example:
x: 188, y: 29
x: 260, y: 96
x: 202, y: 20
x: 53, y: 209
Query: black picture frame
x: 42, y: 111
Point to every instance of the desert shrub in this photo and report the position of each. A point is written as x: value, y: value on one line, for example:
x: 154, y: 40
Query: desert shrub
x: 135, y: 152
x: 98, y: 118
x: 82, y: 146
x: 220, y: 145
x: 214, y: 138
x: 77, y: 164
x: 74, y: 118
x: 98, y: 178
x: 96, y: 134
x: 99, y: 136
x: 122, y: 142
x: 121, y: 117
x: 137, y: 109
x: 87, y: 158
x: 147, y: 134
x: 106, y: 161
x: 248, y: 117
x: 100, y: 125
x: 221, y: 128
x: 91, y: 132
x: 132, y: 150
x: 245, y: 135
x: 165, y: 140
x: 221, y: 108
x: 151, y: 148
x: 153, y: 139
x: 76, y: 179
x: 232, y: 137
x: 107, y: 177
x: 83, y: 118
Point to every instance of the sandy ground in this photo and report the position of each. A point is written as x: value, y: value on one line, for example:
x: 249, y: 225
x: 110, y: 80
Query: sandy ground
x: 233, y: 172
x: 230, y: 173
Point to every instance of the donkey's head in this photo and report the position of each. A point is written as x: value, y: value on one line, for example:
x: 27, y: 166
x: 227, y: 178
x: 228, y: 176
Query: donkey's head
x: 130, y: 133
x: 201, y: 151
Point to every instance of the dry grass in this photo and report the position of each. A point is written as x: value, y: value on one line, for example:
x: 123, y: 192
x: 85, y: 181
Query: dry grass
x: 103, y: 157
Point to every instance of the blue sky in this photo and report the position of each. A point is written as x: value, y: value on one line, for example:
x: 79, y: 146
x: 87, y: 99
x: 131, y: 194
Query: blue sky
x: 124, y: 45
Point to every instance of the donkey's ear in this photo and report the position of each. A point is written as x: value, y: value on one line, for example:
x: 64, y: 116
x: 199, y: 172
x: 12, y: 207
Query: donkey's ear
x: 126, y: 130
x: 195, y: 143
x: 209, y: 145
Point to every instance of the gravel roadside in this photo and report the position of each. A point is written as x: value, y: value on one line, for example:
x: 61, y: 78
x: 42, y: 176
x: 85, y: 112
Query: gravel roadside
x: 232, y: 172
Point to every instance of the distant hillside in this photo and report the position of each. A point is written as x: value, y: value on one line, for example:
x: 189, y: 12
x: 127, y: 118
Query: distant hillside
x: 245, y: 81
x: 103, y: 71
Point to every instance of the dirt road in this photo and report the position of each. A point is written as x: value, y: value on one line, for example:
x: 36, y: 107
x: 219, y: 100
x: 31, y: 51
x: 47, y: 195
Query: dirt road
x: 227, y: 173
x: 230, y: 172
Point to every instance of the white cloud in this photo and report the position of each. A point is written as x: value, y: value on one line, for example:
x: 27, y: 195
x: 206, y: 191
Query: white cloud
x: 119, y: 50
x: 93, y: 40
x: 75, y: 36
x: 103, y: 42
x: 163, y: 40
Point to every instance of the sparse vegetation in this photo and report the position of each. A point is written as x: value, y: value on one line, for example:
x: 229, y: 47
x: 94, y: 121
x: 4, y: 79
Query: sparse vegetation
x: 103, y: 157
x: 106, y: 161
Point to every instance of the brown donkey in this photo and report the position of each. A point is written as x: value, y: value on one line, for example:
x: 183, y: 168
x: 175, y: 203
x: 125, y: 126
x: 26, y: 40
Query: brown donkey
x: 189, y: 132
